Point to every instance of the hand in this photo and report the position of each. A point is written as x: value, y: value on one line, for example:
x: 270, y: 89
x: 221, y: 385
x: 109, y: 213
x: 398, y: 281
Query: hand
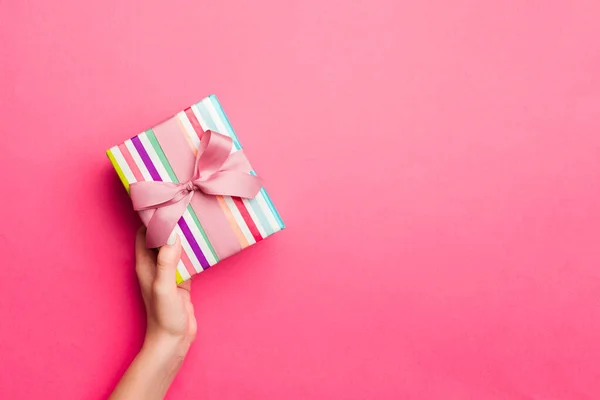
x: 170, y: 312
x: 171, y: 323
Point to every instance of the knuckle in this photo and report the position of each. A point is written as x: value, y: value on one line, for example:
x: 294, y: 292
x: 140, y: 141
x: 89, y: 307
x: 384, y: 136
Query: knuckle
x: 164, y: 260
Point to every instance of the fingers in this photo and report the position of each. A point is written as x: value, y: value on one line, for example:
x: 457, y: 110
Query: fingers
x: 166, y: 264
x: 145, y: 259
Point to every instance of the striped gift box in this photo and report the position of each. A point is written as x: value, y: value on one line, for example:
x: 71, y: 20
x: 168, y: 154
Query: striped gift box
x: 142, y: 159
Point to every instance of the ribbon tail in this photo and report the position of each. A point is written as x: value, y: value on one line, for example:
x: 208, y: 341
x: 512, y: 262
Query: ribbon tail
x: 164, y: 221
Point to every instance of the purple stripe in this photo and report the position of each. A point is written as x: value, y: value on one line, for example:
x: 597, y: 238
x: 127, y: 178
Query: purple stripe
x: 193, y: 244
x: 156, y: 177
x: 145, y: 158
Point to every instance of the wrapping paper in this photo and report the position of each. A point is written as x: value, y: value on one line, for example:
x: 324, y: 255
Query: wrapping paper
x: 143, y: 158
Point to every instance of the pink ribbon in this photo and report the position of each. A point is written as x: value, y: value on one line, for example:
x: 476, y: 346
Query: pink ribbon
x: 216, y: 172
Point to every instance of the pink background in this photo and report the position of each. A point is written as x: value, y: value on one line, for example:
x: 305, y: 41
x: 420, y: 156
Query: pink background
x: 436, y: 162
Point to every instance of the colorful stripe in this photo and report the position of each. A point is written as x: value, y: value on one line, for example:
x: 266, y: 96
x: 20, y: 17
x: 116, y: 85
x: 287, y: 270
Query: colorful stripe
x: 163, y: 160
x: 146, y: 159
x: 204, y: 118
x: 187, y: 261
x: 115, y: 164
x: 194, y: 122
x: 178, y: 278
x: 193, y: 244
x: 196, y: 228
x: 189, y: 131
x: 125, y: 167
x: 239, y: 220
x: 247, y: 218
x: 189, y: 138
x: 234, y: 226
x: 254, y: 218
x: 129, y: 160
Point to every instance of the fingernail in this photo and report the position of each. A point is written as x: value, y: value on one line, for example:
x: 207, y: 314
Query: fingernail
x: 172, y: 239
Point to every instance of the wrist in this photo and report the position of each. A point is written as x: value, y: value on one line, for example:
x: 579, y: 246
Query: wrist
x: 153, y: 369
x: 166, y: 347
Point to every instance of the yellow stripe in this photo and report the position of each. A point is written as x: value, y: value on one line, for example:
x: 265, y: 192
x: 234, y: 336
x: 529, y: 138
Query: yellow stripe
x: 178, y: 277
x: 118, y: 169
x: 234, y: 226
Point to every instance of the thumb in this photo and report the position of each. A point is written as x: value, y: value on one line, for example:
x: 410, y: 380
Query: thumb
x: 166, y: 262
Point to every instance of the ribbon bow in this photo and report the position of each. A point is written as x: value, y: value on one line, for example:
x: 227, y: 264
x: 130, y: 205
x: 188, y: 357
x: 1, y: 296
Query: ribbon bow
x: 216, y: 172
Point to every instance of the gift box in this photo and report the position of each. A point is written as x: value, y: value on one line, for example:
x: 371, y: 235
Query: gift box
x: 189, y: 175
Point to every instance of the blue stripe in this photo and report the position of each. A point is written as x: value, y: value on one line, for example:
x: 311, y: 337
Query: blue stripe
x: 253, y: 202
x: 211, y: 126
x: 271, y: 206
x: 273, y: 209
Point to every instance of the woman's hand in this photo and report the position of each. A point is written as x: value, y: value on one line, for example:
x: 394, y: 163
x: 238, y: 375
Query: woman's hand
x: 171, y: 326
x: 169, y: 309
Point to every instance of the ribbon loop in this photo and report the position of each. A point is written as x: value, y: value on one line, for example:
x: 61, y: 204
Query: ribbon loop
x: 216, y: 172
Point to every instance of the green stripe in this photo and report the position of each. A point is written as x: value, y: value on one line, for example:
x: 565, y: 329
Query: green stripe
x: 195, y: 218
x: 161, y: 155
x: 167, y: 165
